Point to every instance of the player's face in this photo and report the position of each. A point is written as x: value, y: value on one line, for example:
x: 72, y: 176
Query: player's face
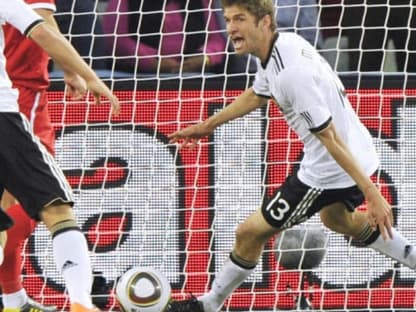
x: 245, y: 34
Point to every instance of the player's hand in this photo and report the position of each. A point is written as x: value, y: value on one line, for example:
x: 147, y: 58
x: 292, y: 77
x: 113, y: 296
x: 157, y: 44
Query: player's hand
x: 190, y: 136
x: 193, y: 63
x: 379, y: 213
x: 98, y: 89
x: 75, y: 85
x: 168, y: 65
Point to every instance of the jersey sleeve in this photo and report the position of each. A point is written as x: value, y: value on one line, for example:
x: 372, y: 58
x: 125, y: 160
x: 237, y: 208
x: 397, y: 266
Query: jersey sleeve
x: 20, y: 15
x: 42, y: 4
x: 261, y: 83
x: 304, y: 90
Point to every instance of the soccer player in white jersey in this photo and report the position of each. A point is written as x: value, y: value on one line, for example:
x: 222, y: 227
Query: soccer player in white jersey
x: 339, y: 156
x: 29, y: 172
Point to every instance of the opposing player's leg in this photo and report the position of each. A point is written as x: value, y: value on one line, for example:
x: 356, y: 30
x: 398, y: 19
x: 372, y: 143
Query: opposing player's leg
x: 342, y: 219
x: 14, y: 296
x: 23, y: 225
x: 5, y: 223
x: 10, y: 277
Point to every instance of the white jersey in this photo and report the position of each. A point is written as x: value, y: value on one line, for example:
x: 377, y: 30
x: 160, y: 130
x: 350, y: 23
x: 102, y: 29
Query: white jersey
x: 21, y: 16
x: 310, y: 95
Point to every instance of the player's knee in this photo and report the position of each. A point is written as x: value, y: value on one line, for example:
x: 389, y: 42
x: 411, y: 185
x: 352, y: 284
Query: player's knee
x: 7, y: 200
x: 325, y: 218
x: 241, y: 232
x: 54, y: 214
x: 244, y: 234
x: 247, y: 233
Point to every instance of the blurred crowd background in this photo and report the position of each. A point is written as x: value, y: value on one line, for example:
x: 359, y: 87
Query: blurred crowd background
x: 177, y: 36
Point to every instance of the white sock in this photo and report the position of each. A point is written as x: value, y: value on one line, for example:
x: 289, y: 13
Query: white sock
x: 72, y: 260
x: 15, y: 300
x: 226, y: 281
x: 398, y: 248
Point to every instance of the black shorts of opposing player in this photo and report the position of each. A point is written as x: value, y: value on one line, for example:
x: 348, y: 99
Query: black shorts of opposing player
x: 27, y: 170
x: 295, y: 202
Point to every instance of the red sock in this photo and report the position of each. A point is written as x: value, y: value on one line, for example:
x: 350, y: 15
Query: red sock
x: 10, y: 270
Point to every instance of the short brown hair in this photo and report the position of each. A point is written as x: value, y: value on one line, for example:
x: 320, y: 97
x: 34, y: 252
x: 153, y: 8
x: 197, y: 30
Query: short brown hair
x: 258, y: 8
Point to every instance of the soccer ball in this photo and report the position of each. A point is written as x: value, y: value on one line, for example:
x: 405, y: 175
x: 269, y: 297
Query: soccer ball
x: 301, y: 248
x: 143, y: 289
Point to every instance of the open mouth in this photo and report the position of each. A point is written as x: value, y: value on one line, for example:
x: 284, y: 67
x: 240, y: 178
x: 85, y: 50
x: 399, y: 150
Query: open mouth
x: 237, y: 42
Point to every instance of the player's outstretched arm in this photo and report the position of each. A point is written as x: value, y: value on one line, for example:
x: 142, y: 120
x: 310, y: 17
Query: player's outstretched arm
x: 242, y: 105
x: 75, y: 84
x: 379, y: 210
x: 56, y: 45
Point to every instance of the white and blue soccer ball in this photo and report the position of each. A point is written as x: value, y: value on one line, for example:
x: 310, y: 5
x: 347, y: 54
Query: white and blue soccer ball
x: 143, y: 289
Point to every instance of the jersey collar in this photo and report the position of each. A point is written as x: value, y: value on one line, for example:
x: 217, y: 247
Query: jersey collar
x: 276, y: 35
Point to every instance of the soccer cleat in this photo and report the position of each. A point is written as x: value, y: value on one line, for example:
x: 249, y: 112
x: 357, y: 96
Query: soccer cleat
x: 77, y: 307
x: 32, y: 306
x: 190, y: 305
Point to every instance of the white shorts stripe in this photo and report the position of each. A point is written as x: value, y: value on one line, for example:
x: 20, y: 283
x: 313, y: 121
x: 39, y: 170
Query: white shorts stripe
x: 302, y: 207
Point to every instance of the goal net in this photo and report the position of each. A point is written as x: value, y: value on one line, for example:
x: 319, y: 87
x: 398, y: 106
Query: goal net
x: 142, y: 201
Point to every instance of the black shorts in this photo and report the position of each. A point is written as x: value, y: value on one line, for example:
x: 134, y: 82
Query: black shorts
x: 27, y: 170
x: 294, y: 202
